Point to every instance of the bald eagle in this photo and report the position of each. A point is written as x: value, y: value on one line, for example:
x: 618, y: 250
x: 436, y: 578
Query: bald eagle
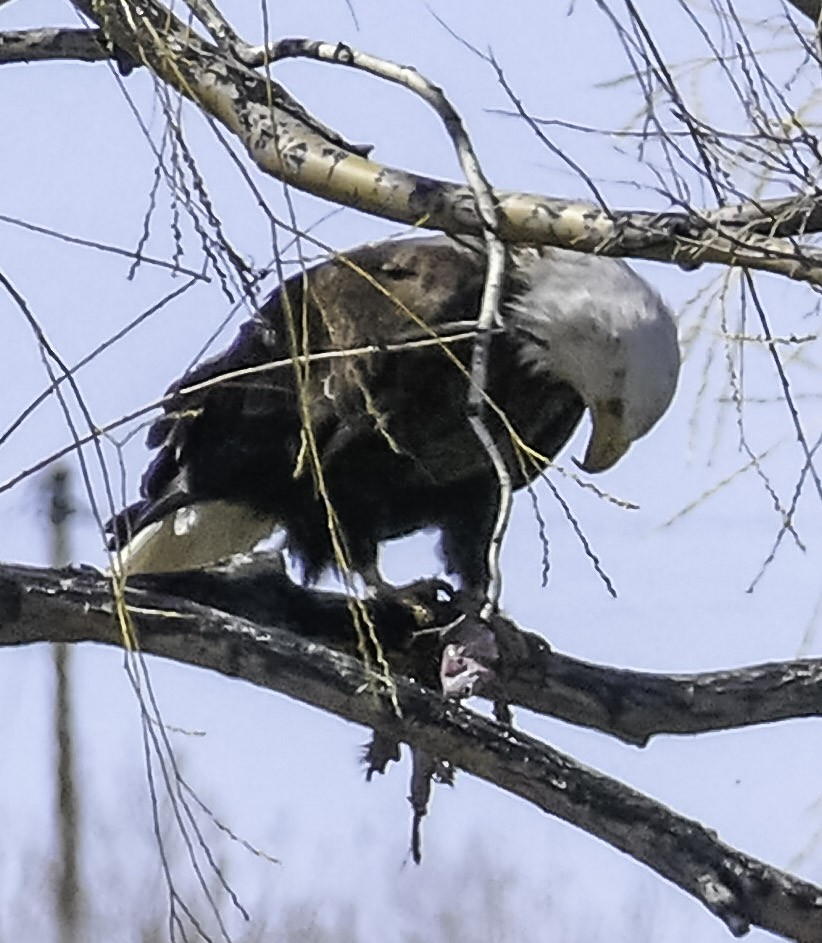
x: 340, y: 411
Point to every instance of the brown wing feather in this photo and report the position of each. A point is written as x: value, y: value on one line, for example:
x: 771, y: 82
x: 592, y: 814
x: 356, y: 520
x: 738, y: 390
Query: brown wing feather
x: 397, y: 453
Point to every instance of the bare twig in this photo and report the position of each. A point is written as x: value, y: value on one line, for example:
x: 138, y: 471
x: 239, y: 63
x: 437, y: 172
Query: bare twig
x: 489, y: 314
x: 103, y: 247
x: 27, y: 410
x: 69, y: 889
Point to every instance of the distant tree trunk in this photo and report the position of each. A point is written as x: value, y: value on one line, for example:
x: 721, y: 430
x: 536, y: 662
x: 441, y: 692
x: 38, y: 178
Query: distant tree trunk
x: 67, y: 879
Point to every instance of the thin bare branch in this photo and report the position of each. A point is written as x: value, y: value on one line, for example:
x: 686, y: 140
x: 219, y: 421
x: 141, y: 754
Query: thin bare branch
x: 102, y: 246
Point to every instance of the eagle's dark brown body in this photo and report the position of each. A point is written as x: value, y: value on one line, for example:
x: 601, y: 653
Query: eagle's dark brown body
x: 379, y: 441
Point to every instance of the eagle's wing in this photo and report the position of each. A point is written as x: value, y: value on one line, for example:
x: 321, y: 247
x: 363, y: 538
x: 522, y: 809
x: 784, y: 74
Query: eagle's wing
x: 226, y: 442
x: 337, y: 403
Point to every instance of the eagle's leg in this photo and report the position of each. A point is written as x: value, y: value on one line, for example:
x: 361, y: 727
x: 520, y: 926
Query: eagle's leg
x: 471, y: 652
x: 379, y: 752
x: 466, y: 537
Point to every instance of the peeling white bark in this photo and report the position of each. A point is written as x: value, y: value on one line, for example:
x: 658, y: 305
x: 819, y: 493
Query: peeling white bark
x: 289, y: 144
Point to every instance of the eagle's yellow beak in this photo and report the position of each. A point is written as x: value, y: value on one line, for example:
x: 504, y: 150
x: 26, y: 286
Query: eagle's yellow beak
x: 608, y: 442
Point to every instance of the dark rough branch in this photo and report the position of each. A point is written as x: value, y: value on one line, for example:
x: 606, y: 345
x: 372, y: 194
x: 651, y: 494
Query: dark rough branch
x: 73, y: 606
x: 630, y: 705
x: 635, y: 705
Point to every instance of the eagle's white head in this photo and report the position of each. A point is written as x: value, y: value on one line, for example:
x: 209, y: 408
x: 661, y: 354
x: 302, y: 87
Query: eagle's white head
x: 594, y: 323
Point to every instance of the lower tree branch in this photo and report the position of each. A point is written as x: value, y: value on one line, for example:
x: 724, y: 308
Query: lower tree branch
x: 637, y: 705
x: 73, y: 606
x: 631, y: 705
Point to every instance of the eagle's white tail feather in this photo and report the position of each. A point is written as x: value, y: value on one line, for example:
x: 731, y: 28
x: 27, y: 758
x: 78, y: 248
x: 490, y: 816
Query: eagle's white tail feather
x: 194, y: 536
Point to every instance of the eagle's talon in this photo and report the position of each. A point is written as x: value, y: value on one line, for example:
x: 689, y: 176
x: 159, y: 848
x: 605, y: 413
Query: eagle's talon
x: 378, y: 753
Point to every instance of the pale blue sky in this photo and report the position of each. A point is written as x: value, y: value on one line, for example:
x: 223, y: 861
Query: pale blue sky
x: 286, y: 777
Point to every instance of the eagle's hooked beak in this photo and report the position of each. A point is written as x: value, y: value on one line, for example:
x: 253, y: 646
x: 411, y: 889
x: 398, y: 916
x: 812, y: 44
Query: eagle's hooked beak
x: 608, y: 442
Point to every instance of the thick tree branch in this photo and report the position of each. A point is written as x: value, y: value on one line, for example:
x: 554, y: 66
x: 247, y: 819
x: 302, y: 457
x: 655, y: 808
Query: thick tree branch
x: 217, y: 25
x: 630, y: 705
x: 637, y: 705
x: 288, y: 143
x: 73, y: 606
x: 811, y: 8
x: 31, y: 45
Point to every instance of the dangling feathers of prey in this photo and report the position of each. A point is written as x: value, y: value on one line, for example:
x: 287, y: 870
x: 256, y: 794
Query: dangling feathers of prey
x: 345, y: 450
